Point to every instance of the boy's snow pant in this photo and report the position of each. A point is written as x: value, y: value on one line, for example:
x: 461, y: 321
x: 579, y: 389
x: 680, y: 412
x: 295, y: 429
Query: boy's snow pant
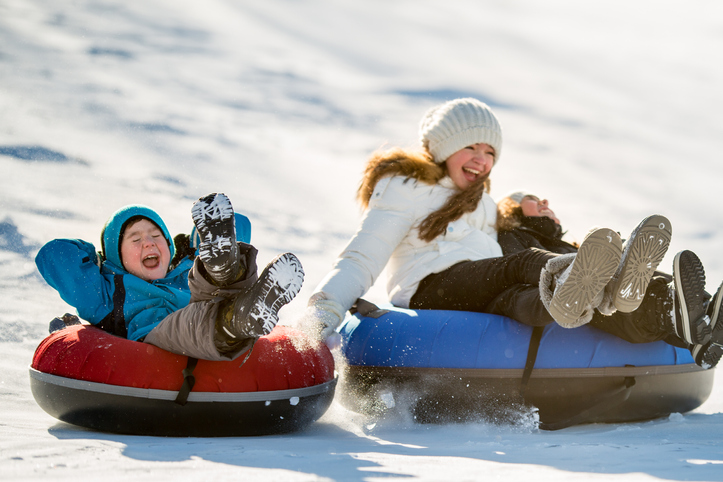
x: 508, y: 286
x: 191, y: 331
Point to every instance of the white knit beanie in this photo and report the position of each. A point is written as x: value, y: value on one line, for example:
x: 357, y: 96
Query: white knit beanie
x: 454, y: 125
x: 517, y: 196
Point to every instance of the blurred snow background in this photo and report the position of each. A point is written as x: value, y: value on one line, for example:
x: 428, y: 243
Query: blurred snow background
x: 609, y: 109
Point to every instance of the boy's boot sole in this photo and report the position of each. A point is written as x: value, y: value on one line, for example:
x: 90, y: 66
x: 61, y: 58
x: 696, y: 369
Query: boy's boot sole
x: 594, y: 265
x: 214, y: 219
x: 691, y: 321
x: 257, y: 312
x: 709, y: 354
x: 642, y: 254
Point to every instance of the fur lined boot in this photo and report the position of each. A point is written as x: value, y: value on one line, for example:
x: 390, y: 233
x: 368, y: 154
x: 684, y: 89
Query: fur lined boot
x: 573, y: 285
x: 642, y: 253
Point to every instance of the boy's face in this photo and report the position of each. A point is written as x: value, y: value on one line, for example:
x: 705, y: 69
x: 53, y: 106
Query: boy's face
x: 144, y: 251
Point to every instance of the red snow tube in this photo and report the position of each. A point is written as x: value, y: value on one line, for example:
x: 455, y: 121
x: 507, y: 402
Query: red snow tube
x: 88, y: 377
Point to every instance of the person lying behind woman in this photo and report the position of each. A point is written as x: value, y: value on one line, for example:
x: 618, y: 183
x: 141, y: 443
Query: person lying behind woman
x: 430, y: 220
x: 675, y: 308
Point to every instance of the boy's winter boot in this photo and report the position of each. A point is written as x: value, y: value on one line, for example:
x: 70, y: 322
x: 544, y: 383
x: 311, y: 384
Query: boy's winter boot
x: 642, y: 253
x: 254, y: 313
x: 214, y: 220
x: 688, y: 318
x: 709, y: 354
x: 572, y: 294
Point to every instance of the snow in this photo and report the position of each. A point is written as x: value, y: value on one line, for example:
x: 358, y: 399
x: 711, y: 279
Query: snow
x: 610, y: 109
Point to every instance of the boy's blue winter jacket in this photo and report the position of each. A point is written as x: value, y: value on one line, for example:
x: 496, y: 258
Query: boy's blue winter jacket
x: 109, y: 296
x: 105, y: 294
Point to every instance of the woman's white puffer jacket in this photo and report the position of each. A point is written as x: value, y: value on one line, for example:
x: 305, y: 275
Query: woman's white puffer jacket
x: 388, y: 236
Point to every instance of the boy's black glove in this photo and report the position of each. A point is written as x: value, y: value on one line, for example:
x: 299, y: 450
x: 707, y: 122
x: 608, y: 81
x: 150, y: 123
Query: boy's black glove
x: 184, y: 250
x: 61, y: 322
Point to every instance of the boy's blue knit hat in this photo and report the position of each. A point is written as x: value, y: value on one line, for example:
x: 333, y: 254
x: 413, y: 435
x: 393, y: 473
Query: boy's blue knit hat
x: 110, y: 237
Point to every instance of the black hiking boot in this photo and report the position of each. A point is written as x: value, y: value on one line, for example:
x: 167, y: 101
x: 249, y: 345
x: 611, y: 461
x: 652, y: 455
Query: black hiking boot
x: 642, y: 253
x: 214, y: 220
x: 709, y: 354
x: 254, y: 313
x: 690, y: 321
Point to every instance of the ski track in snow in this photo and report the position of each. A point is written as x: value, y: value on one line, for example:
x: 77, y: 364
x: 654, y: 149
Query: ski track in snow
x: 610, y: 110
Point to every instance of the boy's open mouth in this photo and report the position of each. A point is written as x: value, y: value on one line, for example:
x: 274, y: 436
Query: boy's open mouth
x: 151, y: 261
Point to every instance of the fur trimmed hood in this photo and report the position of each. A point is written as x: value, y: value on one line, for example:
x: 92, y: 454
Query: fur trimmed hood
x: 417, y: 165
x: 420, y: 165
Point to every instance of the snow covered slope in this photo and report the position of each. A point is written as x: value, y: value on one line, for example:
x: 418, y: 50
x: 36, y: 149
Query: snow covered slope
x: 610, y: 109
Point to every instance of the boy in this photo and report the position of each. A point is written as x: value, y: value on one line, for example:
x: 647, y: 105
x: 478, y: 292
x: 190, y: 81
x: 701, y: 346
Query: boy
x: 214, y: 307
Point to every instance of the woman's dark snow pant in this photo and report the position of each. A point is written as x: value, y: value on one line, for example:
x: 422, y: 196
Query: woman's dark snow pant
x: 508, y: 286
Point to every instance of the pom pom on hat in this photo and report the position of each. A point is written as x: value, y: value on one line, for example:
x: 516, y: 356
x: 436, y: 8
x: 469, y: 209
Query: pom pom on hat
x: 454, y: 125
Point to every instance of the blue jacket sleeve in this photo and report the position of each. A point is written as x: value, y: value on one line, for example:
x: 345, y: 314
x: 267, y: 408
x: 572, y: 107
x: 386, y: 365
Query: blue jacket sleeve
x: 71, y: 267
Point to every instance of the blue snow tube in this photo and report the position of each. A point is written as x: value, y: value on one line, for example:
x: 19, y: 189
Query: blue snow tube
x: 459, y: 365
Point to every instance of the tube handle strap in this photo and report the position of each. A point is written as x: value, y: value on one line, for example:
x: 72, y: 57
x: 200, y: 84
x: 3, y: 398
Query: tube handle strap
x: 188, y: 382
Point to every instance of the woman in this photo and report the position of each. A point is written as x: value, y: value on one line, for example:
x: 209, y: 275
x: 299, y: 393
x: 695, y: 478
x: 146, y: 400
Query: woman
x: 430, y: 221
x: 673, y: 308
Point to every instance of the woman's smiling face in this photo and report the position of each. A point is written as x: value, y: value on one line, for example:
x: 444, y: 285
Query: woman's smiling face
x: 467, y: 165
